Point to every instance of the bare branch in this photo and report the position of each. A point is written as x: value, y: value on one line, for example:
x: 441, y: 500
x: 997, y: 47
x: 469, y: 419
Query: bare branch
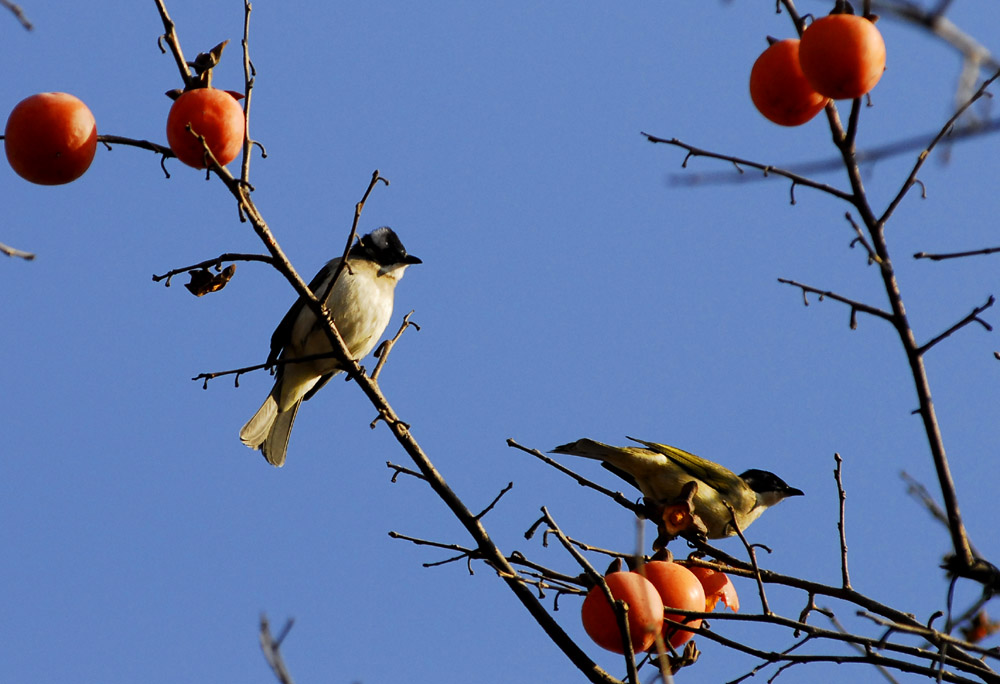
x: 248, y: 80
x: 110, y: 140
x: 13, y: 252
x: 842, y: 496
x: 482, y: 513
x: 272, y: 649
x: 855, y: 305
x: 267, y: 366
x: 358, y: 208
x: 18, y: 14
x: 382, y: 353
x: 764, y: 607
x: 866, y: 156
x: 401, y: 470
x: 172, y: 41
x: 767, y: 169
x: 956, y: 255
x: 873, y: 258
x: 212, y: 263
x: 973, y: 317
x: 922, y: 157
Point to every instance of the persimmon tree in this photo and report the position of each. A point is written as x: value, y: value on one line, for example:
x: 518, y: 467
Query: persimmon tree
x: 947, y: 647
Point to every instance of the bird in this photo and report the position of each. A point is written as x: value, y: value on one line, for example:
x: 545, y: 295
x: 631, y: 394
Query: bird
x: 360, y: 303
x: 660, y: 472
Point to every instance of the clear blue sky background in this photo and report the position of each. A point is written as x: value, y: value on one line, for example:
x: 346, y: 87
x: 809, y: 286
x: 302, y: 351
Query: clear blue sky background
x: 568, y: 290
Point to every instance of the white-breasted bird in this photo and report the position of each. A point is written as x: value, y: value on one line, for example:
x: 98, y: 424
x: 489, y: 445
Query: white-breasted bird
x: 360, y: 303
x: 660, y: 472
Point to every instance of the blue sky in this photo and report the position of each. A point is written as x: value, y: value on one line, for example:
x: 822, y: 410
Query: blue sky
x: 568, y: 289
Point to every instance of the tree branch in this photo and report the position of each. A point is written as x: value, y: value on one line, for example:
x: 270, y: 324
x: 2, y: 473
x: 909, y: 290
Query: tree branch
x: 767, y: 169
x: 18, y: 14
x: 856, y: 306
x: 956, y: 255
x: 13, y: 252
x: 973, y: 317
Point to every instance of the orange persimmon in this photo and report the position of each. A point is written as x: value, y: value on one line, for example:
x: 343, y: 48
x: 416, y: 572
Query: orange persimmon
x: 779, y: 89
x: 842, y: 56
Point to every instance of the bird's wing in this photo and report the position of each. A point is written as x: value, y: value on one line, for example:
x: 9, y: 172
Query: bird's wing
x: 623, y: 474
x: 281, y: 335
x: 698, y: 467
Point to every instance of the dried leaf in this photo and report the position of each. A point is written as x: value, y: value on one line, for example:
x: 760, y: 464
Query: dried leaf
x: 204, y: 281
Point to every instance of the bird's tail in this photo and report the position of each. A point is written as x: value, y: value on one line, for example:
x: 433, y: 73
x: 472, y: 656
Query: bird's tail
x: 625, y: 462
x: 269, y: 429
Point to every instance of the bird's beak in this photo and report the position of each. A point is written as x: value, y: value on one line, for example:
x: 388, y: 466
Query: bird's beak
x: 410, y: 259
x: 792, y: 491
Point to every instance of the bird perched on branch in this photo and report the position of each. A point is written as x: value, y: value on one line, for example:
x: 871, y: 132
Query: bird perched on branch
x: 660, y: 472
x: 360, y: 303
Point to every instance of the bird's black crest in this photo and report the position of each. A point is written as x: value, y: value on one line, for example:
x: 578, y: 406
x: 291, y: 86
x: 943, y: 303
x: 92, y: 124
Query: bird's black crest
x: 763, y: 481
x: 382, y: 246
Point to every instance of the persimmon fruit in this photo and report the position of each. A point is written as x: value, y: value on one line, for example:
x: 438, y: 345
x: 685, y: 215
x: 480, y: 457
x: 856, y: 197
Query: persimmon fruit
x: 678, y: 588
x: 214, y: 114
x: 780, y: 90
x: 50, y: 138
x: 717, y: 585
x: 842, y: 56
x: 645, y: 612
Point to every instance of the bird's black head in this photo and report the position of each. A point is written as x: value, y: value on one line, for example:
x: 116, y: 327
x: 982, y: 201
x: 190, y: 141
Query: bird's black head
x: 763, y: 482
x: 383, y: 247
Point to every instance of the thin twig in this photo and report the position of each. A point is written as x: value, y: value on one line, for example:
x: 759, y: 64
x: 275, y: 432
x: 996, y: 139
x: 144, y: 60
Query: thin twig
x: 753, y: 560
x: 873, y: 258
x: 956, y: 255
x: 922, y: 157
x: 382, y: 353
x: 173, y: 42
x: 855, y: 305
x: 482, y: 513
x: 13, y: 252
x: 864, y: 157
x: 267, y: 365
x: 216, y: 262
x: 110, y: 140
x: 271, y: 648
x: 973, y: 317
x: 248, y: 81
x: 768, y: 169
x: 18, y: 14
x: 358, y: 208
x: 401, y: 470
x: 842, y: 496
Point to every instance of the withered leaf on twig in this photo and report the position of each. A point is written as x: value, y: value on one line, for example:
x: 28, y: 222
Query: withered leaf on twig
x: 204, y: 281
